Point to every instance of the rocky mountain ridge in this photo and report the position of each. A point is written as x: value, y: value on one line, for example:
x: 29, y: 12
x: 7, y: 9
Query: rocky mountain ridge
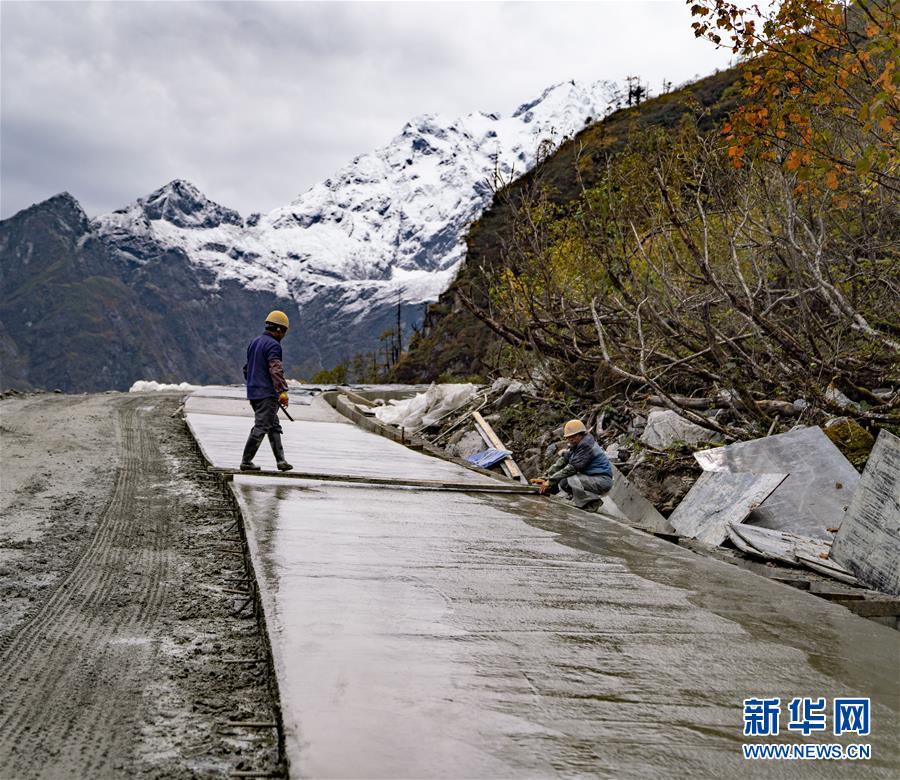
x: 394, y: 217
x: 387, y: 227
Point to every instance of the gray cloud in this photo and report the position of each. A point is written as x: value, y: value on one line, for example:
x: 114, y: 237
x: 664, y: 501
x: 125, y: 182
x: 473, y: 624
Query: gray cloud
x: 255, y: 102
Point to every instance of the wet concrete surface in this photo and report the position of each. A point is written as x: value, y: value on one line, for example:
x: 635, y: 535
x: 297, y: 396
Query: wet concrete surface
x: 425, y: 634
x: 421, y: 636
x: 237, y: 407
x: 321, y: 441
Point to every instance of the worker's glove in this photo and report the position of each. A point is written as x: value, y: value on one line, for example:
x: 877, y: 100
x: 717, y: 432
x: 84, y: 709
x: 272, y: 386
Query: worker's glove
x: 543, y: 483
x: 283, y: 398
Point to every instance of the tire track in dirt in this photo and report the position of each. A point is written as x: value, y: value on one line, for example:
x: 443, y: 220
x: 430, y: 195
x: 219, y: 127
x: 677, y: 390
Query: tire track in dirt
x: 71, y: 677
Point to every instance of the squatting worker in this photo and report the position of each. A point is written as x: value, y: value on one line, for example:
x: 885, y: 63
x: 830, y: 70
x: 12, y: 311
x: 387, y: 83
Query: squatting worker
x: 266, y: 390
x: 583, y: 470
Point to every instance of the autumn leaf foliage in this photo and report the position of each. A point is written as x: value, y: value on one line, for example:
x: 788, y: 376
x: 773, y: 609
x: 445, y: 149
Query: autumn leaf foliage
x: 821, y: 87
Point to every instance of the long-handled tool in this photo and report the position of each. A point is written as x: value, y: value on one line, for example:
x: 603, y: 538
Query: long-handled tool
x: 286, y: 412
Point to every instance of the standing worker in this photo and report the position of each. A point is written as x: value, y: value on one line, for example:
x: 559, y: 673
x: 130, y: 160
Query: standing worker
x: 266, y: 390
x: 583, y: 470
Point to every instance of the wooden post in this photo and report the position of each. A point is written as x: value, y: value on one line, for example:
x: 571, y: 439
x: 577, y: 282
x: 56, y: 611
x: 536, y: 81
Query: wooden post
x: 509, y: 466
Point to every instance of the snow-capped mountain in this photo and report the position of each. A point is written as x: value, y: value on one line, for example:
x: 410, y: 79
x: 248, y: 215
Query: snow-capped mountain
x: 390, y: 222
x: 173, y: 286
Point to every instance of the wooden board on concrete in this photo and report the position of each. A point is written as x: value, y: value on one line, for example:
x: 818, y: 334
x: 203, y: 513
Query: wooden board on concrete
x: 399, y: 483
x: 719, y: 498
x: 868, y: 542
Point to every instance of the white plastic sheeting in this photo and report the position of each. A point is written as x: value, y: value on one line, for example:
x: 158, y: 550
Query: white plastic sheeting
x: 425, y: 409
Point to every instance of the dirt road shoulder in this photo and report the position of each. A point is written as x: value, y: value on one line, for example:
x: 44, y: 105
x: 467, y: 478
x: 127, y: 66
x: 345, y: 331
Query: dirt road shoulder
x: 121, y: 653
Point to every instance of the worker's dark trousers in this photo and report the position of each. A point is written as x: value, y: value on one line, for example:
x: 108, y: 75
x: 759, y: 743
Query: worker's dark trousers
x: 586, y: 488
x: 265, y: 422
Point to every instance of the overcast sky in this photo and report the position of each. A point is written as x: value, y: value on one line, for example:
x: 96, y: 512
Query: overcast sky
x: 255, y: 102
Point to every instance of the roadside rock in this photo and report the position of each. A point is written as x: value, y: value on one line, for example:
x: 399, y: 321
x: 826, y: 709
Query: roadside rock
x: 468, y: 444
x: 512, y: 394
x: 854, y: 441
x: 667, y: 427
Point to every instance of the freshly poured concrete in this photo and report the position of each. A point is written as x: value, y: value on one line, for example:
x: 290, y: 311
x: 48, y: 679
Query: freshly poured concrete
x: 321, y: 441
x: 423, y: 635
x: 240, y: 391
x: 238, y: 407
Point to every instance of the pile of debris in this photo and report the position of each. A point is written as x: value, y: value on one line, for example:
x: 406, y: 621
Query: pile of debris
x: 450, y: 415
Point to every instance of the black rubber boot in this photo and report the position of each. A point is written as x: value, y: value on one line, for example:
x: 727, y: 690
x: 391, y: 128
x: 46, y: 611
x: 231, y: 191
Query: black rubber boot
x: 278, y: 451
x: 250, y: 449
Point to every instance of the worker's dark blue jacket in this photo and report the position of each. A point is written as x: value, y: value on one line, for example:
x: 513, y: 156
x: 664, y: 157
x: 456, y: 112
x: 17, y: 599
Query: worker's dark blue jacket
x: 588, y: 457
x: 264, y: 370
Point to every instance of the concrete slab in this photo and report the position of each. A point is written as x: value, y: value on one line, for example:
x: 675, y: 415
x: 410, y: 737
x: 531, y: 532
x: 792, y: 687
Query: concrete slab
x: 238, y: 407
x: 719, y: 498
x: 626, y: 503
x: 327, y: 444
x: 868, y: 541
x: 508, y: 636
x: 818, y: 488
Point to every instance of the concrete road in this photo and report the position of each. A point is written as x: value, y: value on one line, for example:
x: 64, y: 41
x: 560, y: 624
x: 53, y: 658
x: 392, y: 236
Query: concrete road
x: 426, y: 634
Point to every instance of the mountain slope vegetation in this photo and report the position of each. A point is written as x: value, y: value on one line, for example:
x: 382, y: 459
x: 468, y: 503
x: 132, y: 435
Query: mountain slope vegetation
x: 455, y: 341
x: 729, y: 252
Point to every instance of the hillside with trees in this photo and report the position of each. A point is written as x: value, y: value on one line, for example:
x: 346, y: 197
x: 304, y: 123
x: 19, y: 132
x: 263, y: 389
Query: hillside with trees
x: 731, y: 245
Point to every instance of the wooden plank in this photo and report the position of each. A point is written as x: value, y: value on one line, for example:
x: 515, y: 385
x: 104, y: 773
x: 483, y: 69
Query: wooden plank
x: 775, y: 545
x: 836, y: 591
x: 874, y: 607
x: 764, y: 542
x: 826, y: 567
x: 357, y: 399
x: 419, y: 484
x: 510, y: 468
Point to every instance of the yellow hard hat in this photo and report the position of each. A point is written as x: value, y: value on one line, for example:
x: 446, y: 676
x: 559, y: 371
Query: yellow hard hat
x: 278, y: 318
x: 572, y: 427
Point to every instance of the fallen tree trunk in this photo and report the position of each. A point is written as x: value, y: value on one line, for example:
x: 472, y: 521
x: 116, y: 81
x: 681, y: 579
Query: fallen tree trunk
x: 724, y: 401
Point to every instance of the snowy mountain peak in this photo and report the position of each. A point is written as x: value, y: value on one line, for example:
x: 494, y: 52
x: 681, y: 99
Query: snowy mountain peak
x: 389, y: 223
x: 66, y: 202
x: 183, y: 205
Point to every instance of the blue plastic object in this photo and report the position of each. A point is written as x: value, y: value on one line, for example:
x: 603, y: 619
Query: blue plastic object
x: 487, y: 458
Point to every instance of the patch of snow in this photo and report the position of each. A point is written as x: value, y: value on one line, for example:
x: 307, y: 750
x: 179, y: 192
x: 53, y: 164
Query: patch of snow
x: 146, y: 386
